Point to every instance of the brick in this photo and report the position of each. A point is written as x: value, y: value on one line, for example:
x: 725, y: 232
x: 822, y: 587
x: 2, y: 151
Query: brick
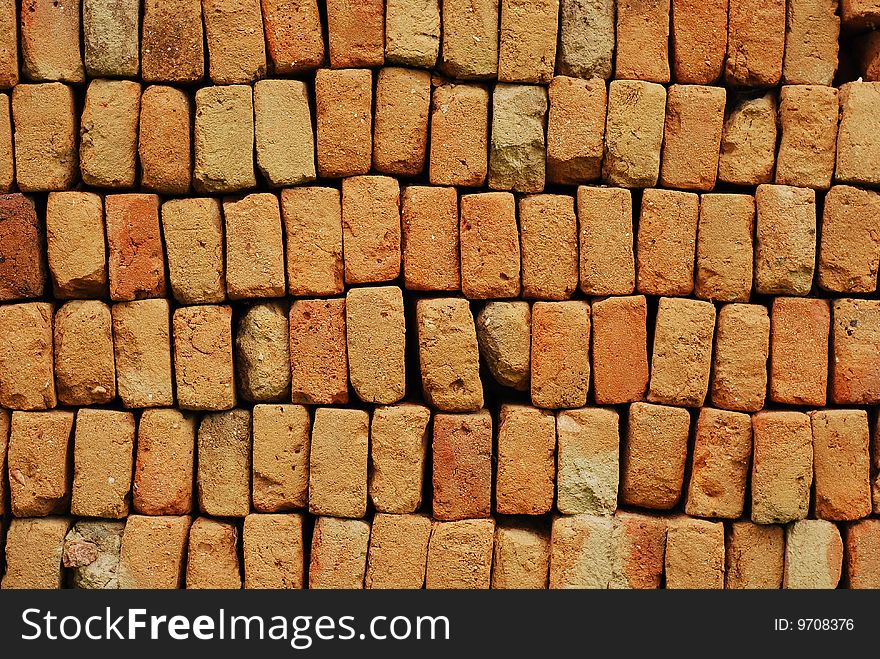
x: 517, y: 152
x: 692, y: 136
x: 312, y: 219
x: 272, y: 551
x: 254, y: 247
x: 549, y: 242
x: 26, y: 355
x: 371, y: 229
x: 638, y: 545
x: 813, y: 555
x: 875, y: 471
x: 50, y: 41
x: 682, y: 353
x: 521, y: 556
x: 586, y: 38
x: 33, y: 553
x: 633, y: 133
x: 525, y: 476
x: 849, y: 249
x: 620, y: 355
x: 294, y: 41
x: 137, y: 261
x: 862, y: 542
x: 172, y: 41
x: 699, y: 40
x: 338, y: 463
x: 284, y: 138
x: 153, y: 552
x: 339, y: 553
x: 85, y: 373
x: 111, y: 30
x: 642, y: 40
x: 654, y: 456
x: 262, y: 352
x: 754, y: 555
x: 236, y: 46
x: 224, y: 139
x: 45, y: 137
x: 8, y: 45
x: 459, y: 134
x: 808, y: 116
x: 504, y: 333
x: 855, y: 365
x: 318, y: 358
x: 748, y: 141
x: 398, y: 553
x: 7, y: 155
x: 22, y: 239
x: 163, y: 473
x: 5, y: 417
x: 224, y: 463
x: 755, y: 43
x: 203, y: 357
x: 400, y: 133
x: 412, y: 32
x: 142, y: 345
x: 193, y: 233
x: 560, y: 354
x: 75, y: 244
x: 460, y: 555
x: 782, y: 467
x: 576, y: 130
x: 666, y: 242
x: 344, y: 122
x: 858, y: 140
x: 462, y: 463
x: 842, y: 464
x: 724, y: 247
x: 785, y: 240
x: 742, y: 344
x: 721, y: 455
x: 356, y: 33
x: 38, y: 463
x: 694, y: 554
x: 799, y: 351
x: 102, y: 462
x: 430, y: 244
x: 376, y: 337
x: 164, y: 142
x: 470, y: 38
x: 212, y: 559
x: 109, y: 134
x: 860, y: 13
x: 91, y: 551
x: 490, y: 246
x: 868, y: 54
x: 812, y: 29
x: 588, y: 461
x: 280, y: 457
x: 398, y: 453
x: 581, y: 552
x: 527, y: 49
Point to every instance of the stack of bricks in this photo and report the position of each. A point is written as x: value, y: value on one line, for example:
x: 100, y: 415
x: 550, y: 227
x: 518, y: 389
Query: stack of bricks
x: 471, y: 294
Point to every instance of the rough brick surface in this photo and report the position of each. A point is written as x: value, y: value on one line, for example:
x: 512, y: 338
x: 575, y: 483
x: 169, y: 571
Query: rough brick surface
x: 339, y: 553
x: 459, y: 134
x: 153, y: 552
x: 642, y: 40
x: 75, y: 244
x: 527, y: 48
x: 272, y: 549
x: 236, y: 46
x: 376, y: 335
x: 748, y: 141
x: 586, y: 38
x: 724, y: 247
x: 45, y: 137
x: 858, y: 140
x: 224, y: 463
x: 102, y: 460
x: 860, y: 13
x: 212, y: 559
x: 344, y: 121
x: 607, y: 262
x: 855, y: 362
x: 254, y: 247
x: 490, y: 246
x: 841, y: 463
x: 462, y: 462
x: 33, y: 553
x: 755, y: 43
x: 193, y: 233
x: 808, y: 116
x: 224, y: 139
x: 111, y: 30
x: 799, y: 351
x: 694, y: 554
x: 588, y: 461
x: 470, y: 38
x: 699, y: 40
x: 742, y: 344
x: 285, y: 139
x: 638, y: 545
x: 109, y: 134
x: 782, y: 467
x: 172, y: 41
x: 785, y: 240
x: 849, y: 251
x: 50, y: 40
x: 412, y: 32
x: 262, y: 352
x: 400, y: 132
x: 38, y: 463
x: 91, y: 551
x: 26, y: 355
x: 581, y: 553
x: 560, y: 354
x: 371, y: 229
x: 633, y: 133
x: 813, y: 555
x: 318, y: 357
x: 549, y: 242
x: 398, y: 554
x: 525, y: 478
x: 522, y: 556
x: 575, y: 129
x: 460, y: 554
x: 22, y: 239
x: 620, y: 349
x: 430, y: 243
x: 338, y: 463
x: 356, y: 33
x: 504, y: 332
x: 692, y: 136
x: 812, y: 29
x: 85, y: 373
x: 294, y: 42
x: 136, y: 261
x: 666, y: 243
x: 754, y: 554
x: 5, y: 419
x: 313, y: 229
x: 862, y: 557
x: 163, y: 473
x: 142, y: 343
x: 517, y: 153
x: 164, y: 141
x: 398, y: 453
x: 7, y: 155
x: 8, y: 45
x: 203, y: 357
x: 280, y: 457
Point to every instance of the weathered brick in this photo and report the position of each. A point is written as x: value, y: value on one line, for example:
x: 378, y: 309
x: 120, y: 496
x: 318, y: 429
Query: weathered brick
x: 638, y: 545
x: 153, y: 552
x: 172, y: 41
x: 782, y: 467
x: 111, y: 30
x: 294, y: 41
x: 862, y: 557
x: 724, y: 247
x: 280, y: 457
x: 224, y: 139
x: 694, y: 554
x: 842, y: 464
x: 400, y: 133
x: 272, y: 549
x: 755, y: 43
x: 875, y: 472
x: 376, y: 338
x: 109, y: 134
x: 525, y: 477
x: 490, y: 246
x: 318, y: 358
x: 163, y: 473
x: 262, y: 352
x: 33, y: 553
x: 462, y: 463
x: 236, y: 46
x: 91, y: 551
x: 581, y: 552
x: 860, y: 13
x: 808, y: 117
x: 193, y: 232
x: 339, y: 553
x: 203, y: 357
x: 285, y: 140
x: 7, y: 154
x: 224, y: 463
x: 867, y: 49
x: 560, y: 354
x: 748, y: 141
x: 398, y: 452
x: 103, y: 454
x: 742, y: 344
x: 522, y: 556
x: 607, y: 262
x: 38, y: 463
x: 812, y: 29
x: 45, y: 137
x: 412, y: 32
x: 338, y: 463
x: 586, y: 38
x: 642, y: 40
x: 620, y: 352
x: 5, y: 418
x: 136, y: 263
x: 75, y: 244
x: 692, y: 136
x: 212, y: 559
x: 8, y: 44
x: 356, y: 33
x: 254, y: 247
x: 699, y: 40
x: 371, y: 229
x: 799, y: 351
x: 858, y: 140
x: 26, y: 355
x: 470, y: 38
x: 504, y: 332
x: 754, y: 554
x: 527, y: 49
x: 142, y: 346
x: 50, y: 41
x: 344, y: 121
x: 588, y: 461
x: 164, y: 142
x: 855, y: 363
x: 460, y: 554
x: 85, y: 373
x: 549, y: 242
x: 313, y: 229
x: 459, y: 134
x: 813, y: 555
x: 22, y: 239
x: 849, y: 251
x: 430, y: 244
x: 398, y: 553
x: 633, y: 133
x: 785, y: 240
x: 517, y: 153
x: 666, y: 243
x: 575, y: 129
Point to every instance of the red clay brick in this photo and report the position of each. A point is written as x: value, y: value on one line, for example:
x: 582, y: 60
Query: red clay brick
x: 799, y: 351
x: 102, y: 461
x: 694, y: 554
x: 470, y: 38
x: 212, y: 560
x: 755, y: 43
x: 400, y: 133
x: 272, y: 548
x: 724, y: 247
x: 586, y: 38
x: 371, y: 229
x: 588, y: 461
x: 137, y: 259
x: 527, y: 49
x: 294, y: 40
x: 33, y: 553
x: 344, y: 121
x: 109, y: 134
x: 490, y: 251
x: 521, y: 557
x: 460, y: 554
x: 203, y: 357
x: 153, y: 552
x: 431, y: 254
x: 412, y: 32
x: 785, y: 240
x: 164, y: 142
x: 313, y: 229
x: 254, y: 247
x: 692, y: 136
x: 8, y: 45
x: 285, y: 137
x: 607, y: 262
x: 22, y: 239
x: 560, y: 354
x: 224, y: 463
x: 812, y: 29
x: 85, y: 373
x: 782, y: 467
x: 699, y: 40
x: 318, y: 359
x: 581, y: 553
x: 356, y: 33
x: 280, y: 457
x: 75, y: 244
x: 50, y: 41
x: 26, y: 355
x: 338, y: 463
x: 842, y: 464
x: 224, y: 139
x: 459, y: 134
x: 262, y: 352
x: 193, y: 233
x: 634, y: 133
x: 862, y: 556
x: 575, y: 130
x: 398, y: 452
x: 398, y: 553
x: 38, y: 463
x: 813, y: 555
x: 642, y: 40
x: 517, y: 152
x: 666, y: 242
x: 172, y: 41
x: 808, y: 117
x: 142, y: 346
x: 163, y: 473
x: 525, y: 478
x: 339, y: 553
x: 754, y: 556
x: 858, y: 140
x: 549, y: 242
x: 855, y: 365
x: 462, y: 462
x: 504, y: 332
x: 111, y: 33
x: 748, y: 141
x: 236, y: 46
x: 620, y: 349
x: 742, y: 344
x: 849, y: 251
x: 638, y: 544
x: 376, y: 337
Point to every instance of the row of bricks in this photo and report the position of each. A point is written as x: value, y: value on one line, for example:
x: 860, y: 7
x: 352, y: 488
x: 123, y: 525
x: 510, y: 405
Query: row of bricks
x: 753, y: 43
x: 276, y: 459
x: 628, y: 550
x: 629, y: 134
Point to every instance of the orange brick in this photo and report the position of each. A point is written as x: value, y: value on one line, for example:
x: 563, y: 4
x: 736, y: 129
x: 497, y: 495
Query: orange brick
x: 875, y: 471
x: 666, y: 243
x: 549, y: 241
x: 527, y: 49
x: 356, y: 33
x: 634, y: 132
x: 262, y: 352
x: 285, y: 137
x: 85, y: 373
x: 376, y: 336
x: 504, y: 333
x: 724, y: 247
x: 638, y: 544
x: 459, y: 134
x: 581, y: 552
x: 525, y: 478
x: 812, y: 29
x: 642, y: 40
x: 137, y: 258
x: 223, y: 473
x: 400, y: 133
x: 50, y: 41
x: 142, y: 346
x: 858, y: 140
x: 754, y: 555
x: 254, y: 247
x: 193, y: 232
x: 586, y: 38
x: 860, y: 13
x: 692, y: 136
x: 75, y: 244
x: 460, y: 555
x: 862, y: 557
x: 33, y: 553
x: 522, y: 556
x: 607, y: 262
x: 109, y: 134
x: 782, y: 467
x: 431, y: 254
x: 236, y: 46
x: 867, y: 49
x: 575, y: 129
x: 280, y: 457
x: 164, y: 141
x: 38, y: 463
x: 7, y: 154
x: 620, y: 349
x: 462, y: 462
x: 339, y: 553
x: 313, y: 229
x: 799, y: 351
x: 490, y: 251
x: 412, y: 32
x: 742, y: 344
x: 588, y: 462
x: 748, y: 141
x: 398, y: 553
x: 8, y: 45
x: 212, y: 559
x: 338, y: 463
x: 371, y: 229
x: 203, y: 357
x: 808, y: 117
x: 224, y: 139
x: 26, y: 355
x: 172, y: 41
x: 318, y: 359
x: 785, y: 240
x: 398, y: 453
x: 560, y: 354
x: 5, y: 418
x: 294, y: 40
x: 855, y: 365
x: 813, y: 555
x: 163, y: 473
x: 344, y: 121
x: 755, y: 43
x: 153, y: 552
x: 849, y: 250
x: 694, y: 554
x: 272, y: 549
x: 699, y: 40
x: 470, y: 38
x: 22, y: 240
x: 842, y: 464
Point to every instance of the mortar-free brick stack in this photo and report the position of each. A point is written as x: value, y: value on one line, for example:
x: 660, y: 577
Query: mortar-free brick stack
x: 411, y: 294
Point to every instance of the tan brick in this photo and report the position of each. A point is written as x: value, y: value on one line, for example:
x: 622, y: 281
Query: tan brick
x: 344, y: 121
x: 849, y: 250
x: 867, y: 49
x: 470, y: 38
x: 153, y: 552
x: 193, y: 232
x: 262, y: 352
x: 860, y: 13
x: 875, y: 473
x: 203, y: 357
x: 313, y: 228
x: 339, y: 553
x: 50, y: 40
x: 164, y: 142
x: 75, y: 244
x: 812, y: 29
x: 462, y: 463
x: 813, y: 555
x: 862, y: 543
x: 172, y: 41
x: 620, y: 349
x: 666, y: 242
x: 525, y: 477
x: 858, y: 140
x: 137, y: 260
x: 642, y: 40
x: 85, y: 373
x: 607, y: 262
x: 694, y: 554
x: 459, y: 134
x: 721, y: 455
x: 581, y: 552
x: 782, y: 467
x: 212, y: 560
x: 91, y: 551
x: 755, y: 43
x: 338, y: 463
x: 785, y: 240
x: 5, y: 418
x: 26, y: 355
x: 280, y: 457
x: 272, y: 549
x: 38, y: 463
x: 504, y: 333
x: 527, y: 50
x: 8, y: 45
x: 699, y: 40
x: 638, y: 545
x: 109, y: 134
x: 285, y: 141
x: 412, y: 32
x: 22, y: 240
x: 588, y: 462
x: 163, y: 473
x: 398, y: 452
x: 549, y: 241
x: 517, y: 153
x: 398, y: 553
x: 560, y: 354
x: 33, y: 553
x: 111, y: 30
x: 724, y: 247
x: 692, y: 136
x: 748, y: 141
x: 236, y: 47
x: 400, y: 134
x: 294, y: 41
x: 742, y: 345
x: 224, y: 139
x: 799, y: 351
x: 102, y: 462
x: 754, y: 555
x: 356, y: 33
x: 7, y: 154
x: 842, y: 464
x: 855, y: 365
x: 224, y: 463
x: 575, y: 130
x: 808, y: 117
x: 431, y: 254
x: 44, y: 117
x: 318, y: 358
x: 633, y: 133
x: 371, y: 229
x: 142, y: 346
x: 586, y: 38
x: 654, y: 456
x: 376, y: 338
x: 490, y: 249
x: 522, y: 556
x: 682, y: 354
x: 254, y: 247
x: 460, y: 555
